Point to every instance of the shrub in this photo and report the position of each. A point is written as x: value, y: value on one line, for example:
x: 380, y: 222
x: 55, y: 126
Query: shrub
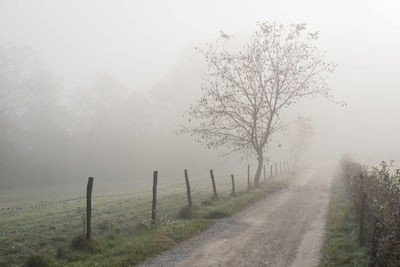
x: 381, y: 211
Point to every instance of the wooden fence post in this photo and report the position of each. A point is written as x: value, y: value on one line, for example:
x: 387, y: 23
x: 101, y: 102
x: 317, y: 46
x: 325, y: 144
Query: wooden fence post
x: 89, y: 207
x: 248, y: 177
x: 153, y: 208
x: 276, y: 169
x: 280, y: 167
x: 188, y: 189
x: 233, y: 184
x: 215, y: 195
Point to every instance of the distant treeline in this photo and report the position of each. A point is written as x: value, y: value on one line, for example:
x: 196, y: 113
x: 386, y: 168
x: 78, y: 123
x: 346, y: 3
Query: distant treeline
x: 51, y: 133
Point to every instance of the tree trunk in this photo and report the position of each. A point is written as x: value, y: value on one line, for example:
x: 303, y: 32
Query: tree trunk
x: 260, y: 161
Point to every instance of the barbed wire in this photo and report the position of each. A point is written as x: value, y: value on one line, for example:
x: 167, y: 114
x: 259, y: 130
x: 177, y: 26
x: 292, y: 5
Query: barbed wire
x: 40, y: 205
x: 162, y: 190
x: 66, y: 201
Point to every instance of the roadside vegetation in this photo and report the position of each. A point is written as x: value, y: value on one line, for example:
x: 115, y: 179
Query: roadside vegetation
x: 341, y: 244
x: 122, y: 233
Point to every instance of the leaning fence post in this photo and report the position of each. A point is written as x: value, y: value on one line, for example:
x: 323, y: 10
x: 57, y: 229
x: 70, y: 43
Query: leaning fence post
x: 213, y: 184
x: 89, y: 206
x: 188, y: 189
x: 233, y: 184
x: 153, y: 208
x: 248, y: 177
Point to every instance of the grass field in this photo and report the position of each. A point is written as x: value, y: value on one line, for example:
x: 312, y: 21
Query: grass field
x: 341, y: 244
x: 43, y: 230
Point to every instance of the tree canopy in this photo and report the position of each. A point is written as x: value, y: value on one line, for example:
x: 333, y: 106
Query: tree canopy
x: 245, y: 90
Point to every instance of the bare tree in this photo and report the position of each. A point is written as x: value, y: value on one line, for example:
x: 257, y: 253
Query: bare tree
x: 245, y: 91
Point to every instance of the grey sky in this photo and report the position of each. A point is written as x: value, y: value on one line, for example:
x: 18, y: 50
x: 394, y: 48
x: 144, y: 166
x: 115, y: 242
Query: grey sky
x: 139, y: 43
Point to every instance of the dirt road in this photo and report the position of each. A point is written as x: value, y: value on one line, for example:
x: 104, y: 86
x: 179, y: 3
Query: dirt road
x: 284, y: 229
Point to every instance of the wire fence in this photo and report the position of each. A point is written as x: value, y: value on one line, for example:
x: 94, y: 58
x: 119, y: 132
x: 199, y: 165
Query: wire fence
x: 52, y: 223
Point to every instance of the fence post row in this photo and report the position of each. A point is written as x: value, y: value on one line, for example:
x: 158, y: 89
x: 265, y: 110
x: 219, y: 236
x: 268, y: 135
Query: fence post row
x: 248, y: 177
x: 215, y: 195
x: 154, y: 203
x: 153, y: 208
x: 233, y: 184
x: 188, y: 189
x: 89, y: 207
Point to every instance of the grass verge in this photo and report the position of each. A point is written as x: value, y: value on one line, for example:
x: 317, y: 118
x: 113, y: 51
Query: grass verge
x: 341, y: 244
x: 142, y: 242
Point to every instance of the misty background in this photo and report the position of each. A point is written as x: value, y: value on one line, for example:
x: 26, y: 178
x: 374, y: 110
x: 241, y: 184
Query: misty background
x: 97, y: 88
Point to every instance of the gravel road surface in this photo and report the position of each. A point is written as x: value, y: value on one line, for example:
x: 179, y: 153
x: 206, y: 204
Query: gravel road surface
x: 284, y: 229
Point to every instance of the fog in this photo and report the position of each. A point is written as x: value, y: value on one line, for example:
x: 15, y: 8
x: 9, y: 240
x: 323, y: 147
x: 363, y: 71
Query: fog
x: 98, y: 88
